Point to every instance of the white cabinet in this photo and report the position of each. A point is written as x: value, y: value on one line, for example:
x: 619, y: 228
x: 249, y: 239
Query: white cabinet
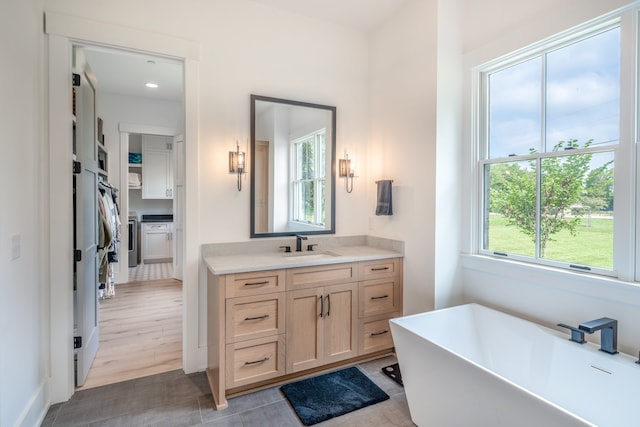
x: 157, y: 241
x: 157, y: 172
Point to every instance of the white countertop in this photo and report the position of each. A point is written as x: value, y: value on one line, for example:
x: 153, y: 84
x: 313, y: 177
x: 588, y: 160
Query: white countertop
x: 242, y: 263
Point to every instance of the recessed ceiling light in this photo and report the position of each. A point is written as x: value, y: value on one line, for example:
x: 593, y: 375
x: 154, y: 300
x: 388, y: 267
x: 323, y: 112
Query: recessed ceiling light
x: 151, y: 85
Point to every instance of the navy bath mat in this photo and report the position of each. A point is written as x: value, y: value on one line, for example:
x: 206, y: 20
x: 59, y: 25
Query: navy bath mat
x: 330, y: 395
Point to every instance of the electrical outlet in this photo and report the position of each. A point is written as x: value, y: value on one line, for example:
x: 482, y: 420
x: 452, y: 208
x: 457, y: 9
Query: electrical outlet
x: 15, y: 247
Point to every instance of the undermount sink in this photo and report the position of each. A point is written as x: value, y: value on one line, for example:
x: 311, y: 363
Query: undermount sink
x: 308, y: 255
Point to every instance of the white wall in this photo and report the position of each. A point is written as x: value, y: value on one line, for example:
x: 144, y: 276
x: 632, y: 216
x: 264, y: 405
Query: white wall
x: 540, y: 294
x: 24, y: 333
x: 248, y: 48
x: 403, y: 85
x: 448, y: 286
x: 244, y: 48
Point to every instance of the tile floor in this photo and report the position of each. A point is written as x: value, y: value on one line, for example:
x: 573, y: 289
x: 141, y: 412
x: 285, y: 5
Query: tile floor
x: 174, y: 399
x: 151, y: 271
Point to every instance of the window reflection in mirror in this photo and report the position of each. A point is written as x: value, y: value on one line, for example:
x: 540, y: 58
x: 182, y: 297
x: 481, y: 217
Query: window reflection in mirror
x: 293, y: 159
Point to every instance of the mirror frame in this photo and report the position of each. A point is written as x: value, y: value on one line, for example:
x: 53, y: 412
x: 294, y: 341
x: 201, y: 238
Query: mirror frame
x: 332, y: 110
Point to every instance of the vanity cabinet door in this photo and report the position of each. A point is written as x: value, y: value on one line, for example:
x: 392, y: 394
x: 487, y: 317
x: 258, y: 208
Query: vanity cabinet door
x: 340, y: 322
x: 304, y: 331
x: 322, y: 326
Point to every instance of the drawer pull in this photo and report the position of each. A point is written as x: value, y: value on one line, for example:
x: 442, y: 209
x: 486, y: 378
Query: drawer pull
x: 382, y: 297
x: 379, y: 268
x: 266, y: 316
x: 256, y: 283
x: 255, y: 362
x: 375, y: 334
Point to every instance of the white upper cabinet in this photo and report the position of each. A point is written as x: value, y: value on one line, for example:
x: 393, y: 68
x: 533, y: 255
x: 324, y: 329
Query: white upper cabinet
x: 157, y: 169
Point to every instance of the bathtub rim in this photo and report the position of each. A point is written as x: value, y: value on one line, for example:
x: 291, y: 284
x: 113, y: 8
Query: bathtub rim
x: 398, y: 322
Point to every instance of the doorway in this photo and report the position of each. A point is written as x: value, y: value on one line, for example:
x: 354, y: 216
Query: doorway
x: 63, y: 31
x: 140, y: 319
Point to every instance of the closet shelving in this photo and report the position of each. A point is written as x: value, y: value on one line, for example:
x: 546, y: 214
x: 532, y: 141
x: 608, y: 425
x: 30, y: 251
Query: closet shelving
x: 102, y: 151
x: 137, y: 169
x: 102, y: 160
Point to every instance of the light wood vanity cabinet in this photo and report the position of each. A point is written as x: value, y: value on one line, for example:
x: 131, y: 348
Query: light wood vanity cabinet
x: 274, y: 325
x: 379, y: 299
x: 254, y: 327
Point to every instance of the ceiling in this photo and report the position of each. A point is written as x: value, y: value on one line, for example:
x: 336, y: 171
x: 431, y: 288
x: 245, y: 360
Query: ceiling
x: 363, y: 15
x: 126, y: 73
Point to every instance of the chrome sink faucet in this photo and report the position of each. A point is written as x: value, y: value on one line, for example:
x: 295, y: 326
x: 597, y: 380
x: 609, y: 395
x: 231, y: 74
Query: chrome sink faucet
x: 608, y: 334
x: 299, y: 239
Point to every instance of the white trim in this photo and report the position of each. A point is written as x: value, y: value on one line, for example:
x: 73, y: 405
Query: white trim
x: 82, y: 29
x: 148, y: 129
x: 61, y: 220
x: 585, y: 284
x: 479, y: 138
x: 64, y: 32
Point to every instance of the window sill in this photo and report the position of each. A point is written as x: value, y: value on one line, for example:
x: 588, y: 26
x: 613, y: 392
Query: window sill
x: 588, y: 284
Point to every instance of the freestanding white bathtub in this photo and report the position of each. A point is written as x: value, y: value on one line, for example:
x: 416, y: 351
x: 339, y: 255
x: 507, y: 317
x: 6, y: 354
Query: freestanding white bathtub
x: 474, y: 366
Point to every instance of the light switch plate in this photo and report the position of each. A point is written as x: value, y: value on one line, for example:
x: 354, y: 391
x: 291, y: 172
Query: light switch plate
x: 15, y: 247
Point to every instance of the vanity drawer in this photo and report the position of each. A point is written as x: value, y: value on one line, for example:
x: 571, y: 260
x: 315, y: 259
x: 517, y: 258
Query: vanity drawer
x: 255, y: 283
x: 375, y: 335
x: 378, y: 297
x: 254, y: 316
x: 255, y: 360
x: 321, y: 275
x: 379, y: 268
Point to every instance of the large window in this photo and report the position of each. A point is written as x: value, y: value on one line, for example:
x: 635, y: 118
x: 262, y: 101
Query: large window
x: 550, y: 130
x: 309, y: 181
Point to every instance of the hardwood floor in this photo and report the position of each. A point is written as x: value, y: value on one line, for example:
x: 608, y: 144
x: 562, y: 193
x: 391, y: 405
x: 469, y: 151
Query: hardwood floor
x: 140, y: 332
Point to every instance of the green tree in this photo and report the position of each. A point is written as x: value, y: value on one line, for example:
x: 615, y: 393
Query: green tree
x: 513, y: 192
x: 598, y: 191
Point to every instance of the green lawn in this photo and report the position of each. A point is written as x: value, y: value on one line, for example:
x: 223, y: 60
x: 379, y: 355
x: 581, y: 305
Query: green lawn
x: 592, y: 246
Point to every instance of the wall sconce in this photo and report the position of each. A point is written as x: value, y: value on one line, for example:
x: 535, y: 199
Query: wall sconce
x: 345, y: 171
x: 237, y: 164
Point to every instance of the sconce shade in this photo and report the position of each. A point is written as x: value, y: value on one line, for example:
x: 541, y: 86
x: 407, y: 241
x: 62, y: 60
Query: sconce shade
x: 345, y: 171
x: 344, y: 168
x: 236, y: 162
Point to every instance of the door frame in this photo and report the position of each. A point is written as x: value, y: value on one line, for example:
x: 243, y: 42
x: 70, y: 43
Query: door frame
x: 62, y: 32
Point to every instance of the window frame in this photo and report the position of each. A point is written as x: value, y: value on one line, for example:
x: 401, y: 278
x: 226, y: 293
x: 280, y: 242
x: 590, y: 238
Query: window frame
x: 626, y: 245
x: 317, y: 180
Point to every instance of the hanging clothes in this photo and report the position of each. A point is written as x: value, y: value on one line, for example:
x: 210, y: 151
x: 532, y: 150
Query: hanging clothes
x: 105, y: 237
x: 109, y: 238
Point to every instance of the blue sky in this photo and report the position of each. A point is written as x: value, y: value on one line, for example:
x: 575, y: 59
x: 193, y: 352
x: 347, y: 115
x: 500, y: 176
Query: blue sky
x: 582, y: 97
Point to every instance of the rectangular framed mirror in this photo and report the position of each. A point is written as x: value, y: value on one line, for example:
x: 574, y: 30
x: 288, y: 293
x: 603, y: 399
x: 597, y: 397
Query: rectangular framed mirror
x: 293, y: 158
